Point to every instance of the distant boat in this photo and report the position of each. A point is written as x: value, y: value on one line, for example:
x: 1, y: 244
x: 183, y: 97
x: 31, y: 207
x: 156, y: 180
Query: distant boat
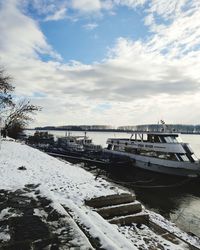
x: 161, y: 152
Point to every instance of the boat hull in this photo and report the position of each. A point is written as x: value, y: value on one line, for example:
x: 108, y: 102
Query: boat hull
x: 186, y: 169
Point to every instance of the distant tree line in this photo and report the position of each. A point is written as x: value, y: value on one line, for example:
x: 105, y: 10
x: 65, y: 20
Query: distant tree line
x: 80, y: 128
x: 14, y: 114
x: 179, y: 128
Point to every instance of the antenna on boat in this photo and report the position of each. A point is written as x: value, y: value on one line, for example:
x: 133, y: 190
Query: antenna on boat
x: 85, y: 135
x: 164, y: 126
x: 158, y: 126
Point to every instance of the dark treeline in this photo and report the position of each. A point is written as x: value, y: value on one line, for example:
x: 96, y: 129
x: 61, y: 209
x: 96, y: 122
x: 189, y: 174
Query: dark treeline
x: 179, y: 128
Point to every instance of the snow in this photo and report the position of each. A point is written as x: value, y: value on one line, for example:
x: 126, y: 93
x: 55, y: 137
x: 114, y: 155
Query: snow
x: 62, y: 182
x: 126, y: 216
x: 140, y: 237
x: 4, y: 212
x: 109, y: 236
x: 40, y: 213
x: 4, y: 236
x: 61, y: 178
x: 69, y: 186
x: 172, y: 228
x: 7, y: 213
x: 121, y: 205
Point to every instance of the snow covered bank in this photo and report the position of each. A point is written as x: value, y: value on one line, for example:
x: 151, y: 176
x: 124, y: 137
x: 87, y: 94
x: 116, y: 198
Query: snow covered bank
x: 64, y: 180
x: 70, y: 185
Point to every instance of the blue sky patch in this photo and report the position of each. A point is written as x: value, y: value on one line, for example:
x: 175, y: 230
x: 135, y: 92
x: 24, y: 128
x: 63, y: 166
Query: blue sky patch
x: 73, y: 41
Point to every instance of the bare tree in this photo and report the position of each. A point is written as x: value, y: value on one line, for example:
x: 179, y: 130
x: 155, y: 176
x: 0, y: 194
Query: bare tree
x: 19, y: 116
x: 21, y: 113
x: 16, y: 115
x: 6, y: 89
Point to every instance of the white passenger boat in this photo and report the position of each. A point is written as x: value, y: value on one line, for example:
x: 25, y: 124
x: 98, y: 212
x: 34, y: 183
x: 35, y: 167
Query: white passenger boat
x: 162, y: 152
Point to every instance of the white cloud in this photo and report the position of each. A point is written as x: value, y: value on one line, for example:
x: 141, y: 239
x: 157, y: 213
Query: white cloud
x: 47, y: 10
x: 181, y: 35
x: 169, y: 9
x: 20, y: 35
x: 56, y: 10
x: 130, y: 3
x: 90, y: 26
x: 149, y: 20
x: 87, y: 5
x: 141, y: 81
x: 58, y: 15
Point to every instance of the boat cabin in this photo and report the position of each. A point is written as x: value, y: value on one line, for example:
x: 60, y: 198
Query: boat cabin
x: 160, y: 145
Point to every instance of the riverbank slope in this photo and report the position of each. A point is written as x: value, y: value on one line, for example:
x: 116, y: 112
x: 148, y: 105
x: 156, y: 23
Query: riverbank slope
x: 41, y: 186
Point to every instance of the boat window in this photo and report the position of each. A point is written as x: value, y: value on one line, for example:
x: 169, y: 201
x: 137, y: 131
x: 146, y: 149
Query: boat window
x: 189, y: 148
x: 144, y: 137
x: 156, y: 139
x: 178, y: 139
x: 162, y: 140
x: 170, y: 139
x: 164, y: 156
x: 184, y: 157
x: 194, y: 157
x: 174, y: 140
x: 150, y: 138
x: 118, y: 148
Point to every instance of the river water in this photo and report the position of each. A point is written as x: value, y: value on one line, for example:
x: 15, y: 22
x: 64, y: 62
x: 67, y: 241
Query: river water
x: 176, y: 199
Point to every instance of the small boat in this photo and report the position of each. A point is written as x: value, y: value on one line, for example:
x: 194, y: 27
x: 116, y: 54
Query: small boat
x: 161, y: 152
x: 77, y: 143
x: 70, y: 143
x: 41, y: 139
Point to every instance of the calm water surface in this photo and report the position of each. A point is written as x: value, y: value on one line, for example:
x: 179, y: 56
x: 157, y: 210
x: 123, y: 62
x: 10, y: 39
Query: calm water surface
x: 180, y: 204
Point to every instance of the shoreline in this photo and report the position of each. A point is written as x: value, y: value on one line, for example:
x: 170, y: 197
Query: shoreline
x: 104, y: 130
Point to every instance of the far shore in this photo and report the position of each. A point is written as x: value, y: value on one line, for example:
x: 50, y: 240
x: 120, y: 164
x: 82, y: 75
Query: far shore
x: 106, y: 130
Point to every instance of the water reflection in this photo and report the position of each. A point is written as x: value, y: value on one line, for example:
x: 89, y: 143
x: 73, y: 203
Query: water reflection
x: 187, y: 214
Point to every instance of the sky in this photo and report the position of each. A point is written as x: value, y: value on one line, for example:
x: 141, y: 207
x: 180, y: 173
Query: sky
x: 115, y: 62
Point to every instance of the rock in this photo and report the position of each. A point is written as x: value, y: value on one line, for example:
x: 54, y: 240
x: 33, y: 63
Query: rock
x: 22, y: 168
x: 32, y: 186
